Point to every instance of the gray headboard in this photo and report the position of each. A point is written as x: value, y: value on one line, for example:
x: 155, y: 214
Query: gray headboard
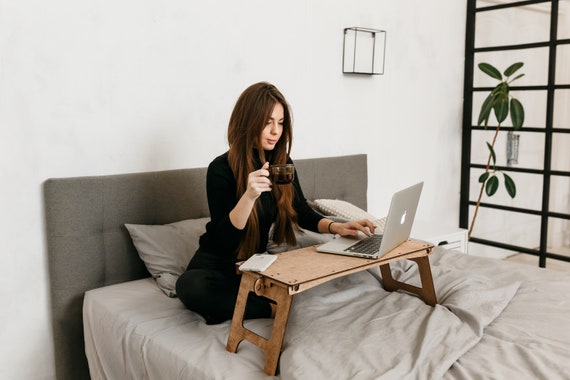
x: 89, y: 247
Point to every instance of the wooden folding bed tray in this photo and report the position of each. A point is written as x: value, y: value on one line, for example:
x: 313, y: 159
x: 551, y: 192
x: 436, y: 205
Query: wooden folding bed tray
x: 298, y: 270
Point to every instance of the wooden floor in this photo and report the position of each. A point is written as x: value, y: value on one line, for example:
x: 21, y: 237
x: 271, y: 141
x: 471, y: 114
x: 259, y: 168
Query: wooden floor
x: 533, y: 260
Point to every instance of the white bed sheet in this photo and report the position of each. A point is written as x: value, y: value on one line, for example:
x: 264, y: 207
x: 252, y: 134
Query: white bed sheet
x: 494, y: 318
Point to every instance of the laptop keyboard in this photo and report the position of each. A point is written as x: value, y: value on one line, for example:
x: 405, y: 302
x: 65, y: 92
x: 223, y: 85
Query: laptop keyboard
x: 367, y: 246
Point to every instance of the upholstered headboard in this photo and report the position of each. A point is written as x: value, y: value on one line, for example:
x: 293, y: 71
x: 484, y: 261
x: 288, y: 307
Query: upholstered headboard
x: 89, y: 247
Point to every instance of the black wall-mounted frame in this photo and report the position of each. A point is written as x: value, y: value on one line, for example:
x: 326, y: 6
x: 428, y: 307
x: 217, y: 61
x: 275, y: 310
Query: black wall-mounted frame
x: 363, y: 51
x: 548, y: 131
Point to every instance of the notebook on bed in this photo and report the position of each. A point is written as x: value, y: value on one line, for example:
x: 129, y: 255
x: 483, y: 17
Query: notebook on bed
x: 396, y: 231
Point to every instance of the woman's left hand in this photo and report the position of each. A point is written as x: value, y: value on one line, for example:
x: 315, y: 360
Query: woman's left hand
x: 353, y: 227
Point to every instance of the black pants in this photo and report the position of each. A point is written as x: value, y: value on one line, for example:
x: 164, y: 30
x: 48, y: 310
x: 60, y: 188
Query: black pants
x: 212, y: 292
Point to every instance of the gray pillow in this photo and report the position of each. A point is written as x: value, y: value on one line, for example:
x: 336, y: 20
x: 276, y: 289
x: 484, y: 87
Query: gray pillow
x: 167, y: 249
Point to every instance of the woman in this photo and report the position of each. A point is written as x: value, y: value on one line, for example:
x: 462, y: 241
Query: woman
x: 244, y: 204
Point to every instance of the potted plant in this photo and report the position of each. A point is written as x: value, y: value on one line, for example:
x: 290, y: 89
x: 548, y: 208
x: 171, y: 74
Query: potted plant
x: 502, y: 104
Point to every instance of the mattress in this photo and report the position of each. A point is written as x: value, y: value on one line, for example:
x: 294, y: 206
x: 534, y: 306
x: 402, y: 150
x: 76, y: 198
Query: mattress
x: 494, y: 319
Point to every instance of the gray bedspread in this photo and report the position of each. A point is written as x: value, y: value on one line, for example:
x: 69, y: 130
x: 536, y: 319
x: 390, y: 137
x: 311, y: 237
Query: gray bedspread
x: 488, y: 325
x: 377, y: 334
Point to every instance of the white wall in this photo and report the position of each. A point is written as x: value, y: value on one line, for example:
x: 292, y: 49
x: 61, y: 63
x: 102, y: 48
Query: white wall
x: 103, y: 87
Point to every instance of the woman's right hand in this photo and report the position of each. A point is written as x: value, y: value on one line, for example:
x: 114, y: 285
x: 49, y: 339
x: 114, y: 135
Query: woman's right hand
x: 258, y: 182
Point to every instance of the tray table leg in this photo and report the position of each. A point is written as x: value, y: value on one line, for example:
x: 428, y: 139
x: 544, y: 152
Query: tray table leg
x: 237, y: 330
x: 273, y: 346
x: 252, y: 282
x: 426, y: 292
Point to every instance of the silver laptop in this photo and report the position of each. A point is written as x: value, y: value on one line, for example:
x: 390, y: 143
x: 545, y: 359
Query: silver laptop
x: 396, y: 231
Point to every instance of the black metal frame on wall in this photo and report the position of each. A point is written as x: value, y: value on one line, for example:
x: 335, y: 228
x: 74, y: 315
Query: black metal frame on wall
x: 547, y: 130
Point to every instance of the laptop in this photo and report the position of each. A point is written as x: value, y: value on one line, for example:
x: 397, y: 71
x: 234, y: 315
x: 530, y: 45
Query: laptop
x: 396, y: 231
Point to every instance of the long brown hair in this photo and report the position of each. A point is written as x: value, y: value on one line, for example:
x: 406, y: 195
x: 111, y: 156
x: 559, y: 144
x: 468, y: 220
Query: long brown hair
x: 249, y: 117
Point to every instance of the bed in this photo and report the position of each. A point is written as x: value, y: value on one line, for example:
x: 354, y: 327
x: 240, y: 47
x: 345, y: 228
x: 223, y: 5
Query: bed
x: 114, y: 318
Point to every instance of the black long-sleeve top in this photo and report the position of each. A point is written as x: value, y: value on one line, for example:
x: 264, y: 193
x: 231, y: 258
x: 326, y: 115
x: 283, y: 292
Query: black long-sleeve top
x: 221, y: 238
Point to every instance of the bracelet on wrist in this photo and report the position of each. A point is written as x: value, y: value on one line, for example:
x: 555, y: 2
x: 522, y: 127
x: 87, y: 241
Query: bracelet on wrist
x: 329, y: 228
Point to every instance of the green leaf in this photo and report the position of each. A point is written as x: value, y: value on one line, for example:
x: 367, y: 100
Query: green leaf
x: 483, y: 177
x: 486, y: 110
x: 490, y: 70
x: 510, y: 186
x: 517, y: 114
x: 513, y: 68
x: 492, y: 186
x: 517, y: 77
x: 493, y: 155
x: 501, y: 107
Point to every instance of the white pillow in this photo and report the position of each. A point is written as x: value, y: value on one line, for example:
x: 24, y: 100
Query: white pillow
x: 346, y: 210
x: 167, y: 249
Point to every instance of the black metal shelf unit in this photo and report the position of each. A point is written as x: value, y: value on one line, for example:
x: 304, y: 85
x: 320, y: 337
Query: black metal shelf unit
x: 547, y: 131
